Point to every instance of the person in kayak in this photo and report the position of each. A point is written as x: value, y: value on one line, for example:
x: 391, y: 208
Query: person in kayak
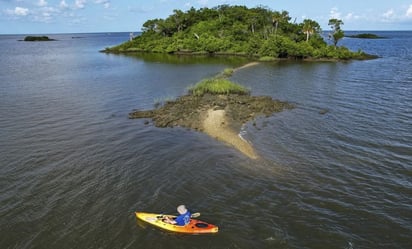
x: 182, y: 219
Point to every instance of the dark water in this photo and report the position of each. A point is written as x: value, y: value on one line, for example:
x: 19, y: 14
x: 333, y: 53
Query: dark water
x: 336, y: 172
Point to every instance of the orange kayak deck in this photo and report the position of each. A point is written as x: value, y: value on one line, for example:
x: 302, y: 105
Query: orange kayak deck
x: 194, y: 226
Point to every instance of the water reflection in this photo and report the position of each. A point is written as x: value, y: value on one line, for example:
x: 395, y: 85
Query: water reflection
x: 188, y: 59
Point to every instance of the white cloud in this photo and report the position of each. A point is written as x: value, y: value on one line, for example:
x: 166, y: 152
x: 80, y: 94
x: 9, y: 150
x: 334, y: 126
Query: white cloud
x: 63, y: 4
x: 350, y: 16
x: 18, y: 11
x: 43, y: 17
x: 80, y: 4
x: 334, y: 13
x: 42, y: 3
x: 409, y: 11
x: 105, y: 3
x: 389, y: 14
x: 45, y: 14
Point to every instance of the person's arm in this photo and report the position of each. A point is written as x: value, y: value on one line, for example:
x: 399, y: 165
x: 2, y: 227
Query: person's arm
x: 169, y: 220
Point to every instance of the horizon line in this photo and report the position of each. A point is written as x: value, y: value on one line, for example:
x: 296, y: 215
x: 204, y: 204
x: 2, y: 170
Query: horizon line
x: 109, y: 32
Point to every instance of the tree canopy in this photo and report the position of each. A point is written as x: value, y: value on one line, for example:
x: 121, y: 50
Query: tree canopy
x: 235, y: 30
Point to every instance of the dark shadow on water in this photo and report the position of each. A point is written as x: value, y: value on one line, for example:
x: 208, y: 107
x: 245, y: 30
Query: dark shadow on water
x: 187, y: 59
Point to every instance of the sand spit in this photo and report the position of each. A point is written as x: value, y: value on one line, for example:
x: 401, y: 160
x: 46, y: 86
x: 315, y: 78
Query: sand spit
x: 215, y: 124
x: 251, y: 64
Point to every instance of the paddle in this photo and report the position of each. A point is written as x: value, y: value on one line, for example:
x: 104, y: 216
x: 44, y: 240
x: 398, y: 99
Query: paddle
x: 194, y: 215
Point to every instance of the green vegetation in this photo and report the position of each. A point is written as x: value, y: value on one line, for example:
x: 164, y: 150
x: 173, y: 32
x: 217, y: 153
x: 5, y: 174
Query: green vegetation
x: 228, y: 72
x: 37, y: 38
x: 237, y: 30
x: 217, y: 86
x: 365, y: 36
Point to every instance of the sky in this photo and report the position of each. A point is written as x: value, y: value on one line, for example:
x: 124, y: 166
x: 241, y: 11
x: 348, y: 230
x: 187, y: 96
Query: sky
x: 83, y: 16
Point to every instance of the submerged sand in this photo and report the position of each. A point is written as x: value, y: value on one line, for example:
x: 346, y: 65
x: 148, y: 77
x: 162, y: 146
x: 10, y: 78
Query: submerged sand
x: 251, y: 64
x: 216, y: 125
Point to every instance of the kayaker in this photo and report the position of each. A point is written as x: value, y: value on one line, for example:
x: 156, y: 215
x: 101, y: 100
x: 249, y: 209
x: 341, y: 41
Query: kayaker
x: 182, y: 219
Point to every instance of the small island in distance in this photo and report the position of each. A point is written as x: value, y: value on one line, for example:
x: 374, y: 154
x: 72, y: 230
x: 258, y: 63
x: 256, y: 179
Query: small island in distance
x: 366, y: 36
x: 37, y: 38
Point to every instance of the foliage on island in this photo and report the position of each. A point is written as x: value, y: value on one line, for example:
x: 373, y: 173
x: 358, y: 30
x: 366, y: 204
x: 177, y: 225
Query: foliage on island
x: 37, y: 38
x: 236, y: 30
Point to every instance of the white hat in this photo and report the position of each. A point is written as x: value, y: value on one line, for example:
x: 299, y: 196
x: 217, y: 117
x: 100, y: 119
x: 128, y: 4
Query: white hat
x: 181, y: 209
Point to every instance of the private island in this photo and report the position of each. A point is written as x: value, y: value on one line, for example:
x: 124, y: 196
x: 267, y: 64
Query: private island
x: 218, y: 106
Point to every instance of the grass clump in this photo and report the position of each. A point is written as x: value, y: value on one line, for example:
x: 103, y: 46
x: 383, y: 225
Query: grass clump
x: 267, y: 58
x: 228, y: 72
x: 217, y: 86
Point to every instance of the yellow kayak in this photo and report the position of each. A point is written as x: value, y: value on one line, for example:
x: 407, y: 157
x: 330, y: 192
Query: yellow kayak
x: 194, y: 226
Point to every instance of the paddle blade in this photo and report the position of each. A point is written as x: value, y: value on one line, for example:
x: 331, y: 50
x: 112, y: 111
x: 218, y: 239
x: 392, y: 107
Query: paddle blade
x: 195, y: 215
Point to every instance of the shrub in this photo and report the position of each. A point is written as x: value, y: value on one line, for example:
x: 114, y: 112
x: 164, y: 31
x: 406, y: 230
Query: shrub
x: 228, y: 72
x: 217, y: 86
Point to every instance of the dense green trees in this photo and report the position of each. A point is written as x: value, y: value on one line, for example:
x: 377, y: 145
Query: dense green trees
x: 235, y: 30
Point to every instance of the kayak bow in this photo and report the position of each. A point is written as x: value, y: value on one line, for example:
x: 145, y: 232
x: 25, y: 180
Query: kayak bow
x: 194, y: 226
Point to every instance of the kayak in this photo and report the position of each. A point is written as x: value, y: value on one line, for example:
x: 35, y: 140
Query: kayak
x: 194, y: 226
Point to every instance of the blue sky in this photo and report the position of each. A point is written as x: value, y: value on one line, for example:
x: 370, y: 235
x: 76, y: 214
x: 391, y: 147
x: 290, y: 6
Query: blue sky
x: 77, y: 16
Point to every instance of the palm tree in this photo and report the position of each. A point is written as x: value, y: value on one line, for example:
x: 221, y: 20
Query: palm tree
x: 310, y: 27
x: 280, y: 18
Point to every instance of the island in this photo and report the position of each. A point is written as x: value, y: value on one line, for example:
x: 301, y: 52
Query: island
x: 37, y: 38
x: 366, y: 36
x: 238, y: 30
x: 218, y: 106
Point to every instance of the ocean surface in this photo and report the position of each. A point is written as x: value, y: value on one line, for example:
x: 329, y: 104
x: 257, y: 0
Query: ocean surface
x: 335, y: 172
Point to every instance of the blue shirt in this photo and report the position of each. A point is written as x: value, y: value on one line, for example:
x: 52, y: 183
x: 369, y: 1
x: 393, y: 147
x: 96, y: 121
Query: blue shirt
x: 183, y: 219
